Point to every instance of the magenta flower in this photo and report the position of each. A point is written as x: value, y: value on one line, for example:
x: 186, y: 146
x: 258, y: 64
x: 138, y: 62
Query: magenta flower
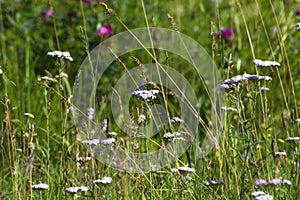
x: 298, y: 11
x: 226, y: 33
x: 86, y: 1
x: 47, y: 12
x: 105, y: 30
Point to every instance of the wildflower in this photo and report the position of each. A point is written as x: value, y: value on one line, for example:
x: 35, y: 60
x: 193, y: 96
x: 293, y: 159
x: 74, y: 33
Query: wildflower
x: 298, y: 26
x: 108, y: 141
x: 60, y: 54
x: 1, y: 72
x: 266, y: 63
x: 213, y: 182
x: 90, y: 142
x: 104, y: 180
x: 104, y: 30
x: 289, y: 139
x: 280, y: 153
x: 264, y: 197
x: 224, y: 86
x: 298, y: 11
x: 41, y: 186
x: 226, y: 33
x: 142, y: 86
x: 297, y: 120
x: 141, y: 118
x: 29, y: 115
x: 90, y: 113
x: 186, y: 169
x: 176, y: 119
x: 260, y: 182
x: 274, y: 182
x: 286, y: 182
x: 145, y: 94
x: 263, y: 89
x: 76, y: 189
x: 82, y: 159
x: 86, y: 1
x: 169, y: 135
x: 257, y: 193
x: 104, y: 125
x: 49, y: 79
x: 47, y: 12
x: 112, y: 133
x: 229, y: 109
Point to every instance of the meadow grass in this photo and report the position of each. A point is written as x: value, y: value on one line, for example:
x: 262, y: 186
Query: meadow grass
x: 48, y: 147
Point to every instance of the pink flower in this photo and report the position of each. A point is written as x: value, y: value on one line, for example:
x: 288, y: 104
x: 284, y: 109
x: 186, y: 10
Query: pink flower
x: 226, y: 33
x: 47, y: 12
x: 105, y: 30
x: 298, y: 11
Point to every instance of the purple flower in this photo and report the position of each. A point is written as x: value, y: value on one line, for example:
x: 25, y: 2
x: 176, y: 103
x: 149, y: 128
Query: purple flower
x: 260, y: 182
x: 105, y: 30
x: 142, y: 86
x: 47, y: 12
x: 298, y: 11
x: 226, y: 33
x: 274, y: 182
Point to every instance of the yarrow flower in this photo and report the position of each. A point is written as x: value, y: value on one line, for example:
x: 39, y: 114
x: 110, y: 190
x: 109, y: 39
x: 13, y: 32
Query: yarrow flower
x: 183, y: 169
x: 59, y: 54
x: 108, y: 141
x: 213, y: 182
x: 227, y: 84
x: 76, y: 189
x: 226, y: 33
x: 104, y: 180
x: 41, y: 186
x: 145, y: 94
x: 267, y: 63
x: 105, y: 30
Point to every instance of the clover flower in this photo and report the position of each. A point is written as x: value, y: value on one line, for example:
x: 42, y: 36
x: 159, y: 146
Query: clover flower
x: 41, y: 186
x: 76, y: 189
x: 267, y: 63
x: 104, y: 30
x: 104, y: 180
x: 226, y: 33
x: 213, y: 182
x: 60, y: 54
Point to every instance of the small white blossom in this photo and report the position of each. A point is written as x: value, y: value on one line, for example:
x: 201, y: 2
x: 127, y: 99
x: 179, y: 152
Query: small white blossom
x: 257, y: 193
x: 41, y: 186
x: 289, y: 139
x: 59, y: 54
x: 90, y: 113
x: 145, y: 94
x: 29, y: 115
x: 104, y: 180
x: 108, y: 141
x: 90, y: 142
x: 82, y: 159
x: 176, y: 119
x: 186, y: 169
x: 280, y: 153
x: 112, y: 133
x: 266, y: 63
x: 141, y: 118
x: 76, y: 189
x: 263, y: 89
x: 229, y: 109
x: 298, y: 26
x: 49, y: 79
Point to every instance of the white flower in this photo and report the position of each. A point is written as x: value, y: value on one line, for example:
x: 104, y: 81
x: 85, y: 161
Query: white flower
x: 298, y: 26
x: 49, y: 79
x: 176, y: 119
x: 257, y: 193
x: 108, y: 141
x: 145, y: 94
x: 141, y: 118
x: 59, y: 54
x: 90, y: 113
x: 266, y: 63
x: 229, y: 109
x: 82, y: 159
x: 90, y: 142
x: 263, y: 89
x: 41, y: 186
x: 76, y: 189
x: 172, y: 135
x: 112, y: 133
x: 104, y: 180
x: 29, y: 115
x: 280, y: 153
x: 289, y: 139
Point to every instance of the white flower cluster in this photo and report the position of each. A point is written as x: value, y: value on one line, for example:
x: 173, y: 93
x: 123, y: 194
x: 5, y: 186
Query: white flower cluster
x: 76, y: 189
x: 145, y: 94
x: 260, y: 195
x: 267, y: 63
x: 104, y: 180
x: 41, y: 186
x: 59, y: 54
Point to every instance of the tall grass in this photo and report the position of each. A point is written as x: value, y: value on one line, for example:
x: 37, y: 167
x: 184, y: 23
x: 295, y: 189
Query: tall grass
x: 47, y: 147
